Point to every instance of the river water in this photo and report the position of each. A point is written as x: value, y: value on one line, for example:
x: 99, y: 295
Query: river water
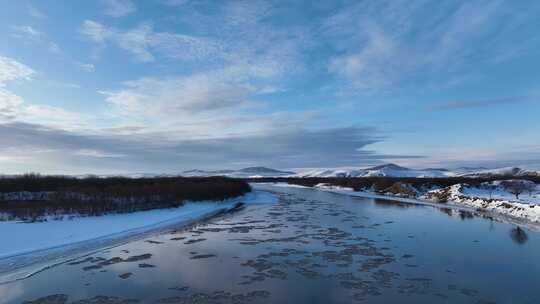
x: 310, y: 247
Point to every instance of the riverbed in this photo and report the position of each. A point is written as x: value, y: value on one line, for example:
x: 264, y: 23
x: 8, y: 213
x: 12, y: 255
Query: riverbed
x: 309, y: 247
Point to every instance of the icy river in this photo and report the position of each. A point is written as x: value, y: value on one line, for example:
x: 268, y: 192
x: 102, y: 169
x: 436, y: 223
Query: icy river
x: 309, y: 247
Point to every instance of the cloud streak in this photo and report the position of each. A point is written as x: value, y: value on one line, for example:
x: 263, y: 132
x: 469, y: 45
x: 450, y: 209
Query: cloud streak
x: 182, y: 78
x: 144, y: 43
x: 283, y: 148
x: 465, y: 104
x: 383, y: 44
x: 119, y: 8
x: 36, y: 13
x: 29, y: 34
x: 11, y: 70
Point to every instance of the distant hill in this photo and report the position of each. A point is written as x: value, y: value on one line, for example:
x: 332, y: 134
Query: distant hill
x: 505, y: 171
x: 264, y: 170
x: 387, y: 167
x: 242, y: 173
x: 391, y: 170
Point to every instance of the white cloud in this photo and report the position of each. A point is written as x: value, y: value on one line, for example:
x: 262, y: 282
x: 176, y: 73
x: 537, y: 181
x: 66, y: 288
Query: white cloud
x: 13, y: 107
x: 221, y: 92
x: 9, y: 104
x: 137, y: 41
x: 26, y: 30
x: 10, y: 70
x: 381, y: 44
x: 30, y: 34
x: 239, y: 32
x: 119, y: 8
x: 53, y: 47
x: 94, y: 31
x: 243, y: 59
x: 53, y: 117
x: 283, y: 147
x: 175, y: 2
x: 176, y: 98
x: 369, y: 67
x: 36, y: 13
x: 87, y: 67
x: 143, y: 42
x: 96, y: 153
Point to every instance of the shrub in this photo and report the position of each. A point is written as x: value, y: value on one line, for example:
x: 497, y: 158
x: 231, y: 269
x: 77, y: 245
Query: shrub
x: 96, y: 196
x: 400, y: 188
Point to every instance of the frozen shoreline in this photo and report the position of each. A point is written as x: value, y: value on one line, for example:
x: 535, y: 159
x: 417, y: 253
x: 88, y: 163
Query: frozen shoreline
x: 26, y: 243
x: 529, y: 219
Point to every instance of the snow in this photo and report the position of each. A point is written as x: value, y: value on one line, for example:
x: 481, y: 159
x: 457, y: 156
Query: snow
x: 250, y: 172
x: 500, y: 194
x: 393, y: 170
x: 461, y: 197
x: 23, y: 238
x: 507, y: 171
x: 366, y: 194
x: 383, y: 170
x: 501, y: 202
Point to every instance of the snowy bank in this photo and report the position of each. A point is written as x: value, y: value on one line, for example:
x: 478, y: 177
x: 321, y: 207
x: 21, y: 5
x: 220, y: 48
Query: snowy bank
x: 526, y: 209
x: 496, y: 200
x: 20, y: 238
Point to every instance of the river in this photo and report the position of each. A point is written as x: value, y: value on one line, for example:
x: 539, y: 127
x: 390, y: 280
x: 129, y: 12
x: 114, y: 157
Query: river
x: 310, y: 247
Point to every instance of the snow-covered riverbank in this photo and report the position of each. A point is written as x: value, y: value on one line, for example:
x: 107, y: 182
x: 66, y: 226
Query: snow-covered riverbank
x: 459, y: 197
x: 20, y: 238
x: 527, y: 207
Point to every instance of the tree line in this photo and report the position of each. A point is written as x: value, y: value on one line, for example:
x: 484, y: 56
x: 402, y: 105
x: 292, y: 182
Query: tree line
x: 97, y: 196
x: 381, y: 183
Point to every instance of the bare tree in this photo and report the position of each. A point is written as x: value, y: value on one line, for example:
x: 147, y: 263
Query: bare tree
x: 530, y: 187
x: 489, y: 187
x: 516, y: 187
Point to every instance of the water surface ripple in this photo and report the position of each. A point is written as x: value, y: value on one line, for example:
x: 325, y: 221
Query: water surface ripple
x: 310, y: 247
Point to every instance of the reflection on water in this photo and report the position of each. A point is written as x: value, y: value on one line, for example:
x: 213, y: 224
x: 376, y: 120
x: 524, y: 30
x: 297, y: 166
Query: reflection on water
x: 519, y: 236
x: 311, y: 247
x: 391, y: 204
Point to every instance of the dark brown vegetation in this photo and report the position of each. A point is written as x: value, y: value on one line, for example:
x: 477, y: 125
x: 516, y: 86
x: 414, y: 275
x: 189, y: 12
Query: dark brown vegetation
x: 96, y: 196
x: 516, y: 186
x: 381, y: 184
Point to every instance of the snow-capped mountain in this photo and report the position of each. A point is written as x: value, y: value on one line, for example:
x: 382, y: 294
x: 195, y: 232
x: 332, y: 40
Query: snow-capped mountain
x: 392, y: 170
x: 389, y: 170
x: 506, y: 171
x: 243, y: 173
x: 264, y: 170
x: 399, y: 171
x: 332, y: 173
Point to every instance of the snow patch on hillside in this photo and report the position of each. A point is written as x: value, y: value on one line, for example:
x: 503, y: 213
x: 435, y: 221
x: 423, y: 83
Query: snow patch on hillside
x: 250, y: 172
x: 390, y: 170
x: 505, y: 171
x: 393, y: 170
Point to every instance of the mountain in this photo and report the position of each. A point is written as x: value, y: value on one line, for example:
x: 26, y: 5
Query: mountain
x: 388, y: 167
x: 333, y: 173
x: 241, y: 173
x: 264, y: 170
x: 505, y: 171
x: 392, y: 170
x: 197, y: 172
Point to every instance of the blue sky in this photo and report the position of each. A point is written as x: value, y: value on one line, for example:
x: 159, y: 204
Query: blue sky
x: 117, y: 86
